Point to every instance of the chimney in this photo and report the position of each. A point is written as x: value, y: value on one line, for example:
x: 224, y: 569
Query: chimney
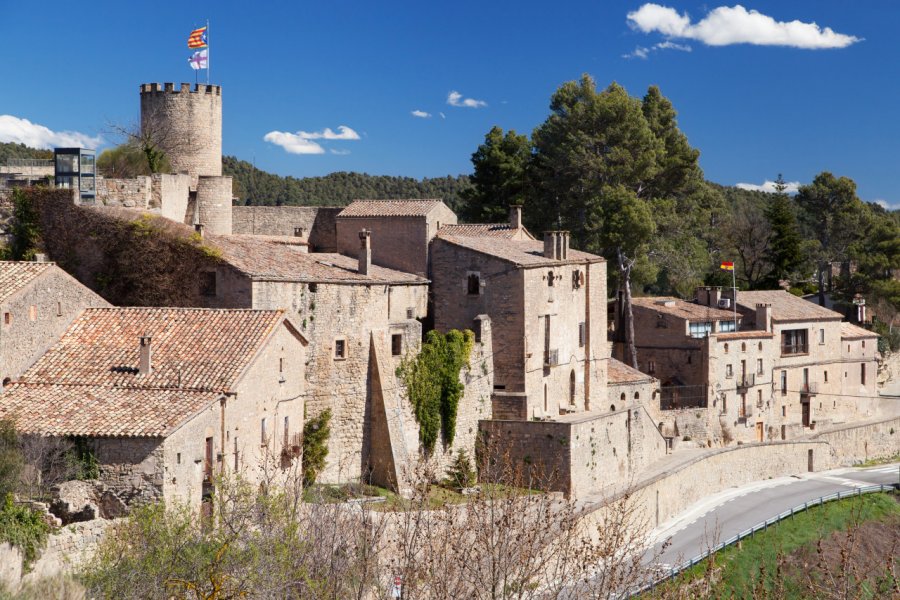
x: 198, y: 227
x: 40, y: 257
x: 515, y: 216
x: 764, y: 317
x: 551, y: 249
x: 715, y: 294
x: 145, y: 362
x: 365, y: 252
x: 562, y: 243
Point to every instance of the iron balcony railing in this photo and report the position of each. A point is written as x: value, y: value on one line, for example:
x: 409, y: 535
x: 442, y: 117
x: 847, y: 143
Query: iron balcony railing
x: 810, y: 388
x: 799, y: 348
x: 746, y: 380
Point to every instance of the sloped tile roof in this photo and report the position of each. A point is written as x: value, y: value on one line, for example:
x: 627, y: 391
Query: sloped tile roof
x: 389, y: 208
x: 849, y: 331
x: 744, y: 335
x: 271, y: 260
x: 682, y: 309
x: 785, y: 306
x: 501, y: 230
x: 14, y: 275
x: 619, y: 372
x: 88, y: 410
x: 88, y: 382
x: 525, y: 253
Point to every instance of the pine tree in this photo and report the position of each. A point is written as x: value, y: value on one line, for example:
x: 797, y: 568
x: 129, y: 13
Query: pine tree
x: 784, y: 252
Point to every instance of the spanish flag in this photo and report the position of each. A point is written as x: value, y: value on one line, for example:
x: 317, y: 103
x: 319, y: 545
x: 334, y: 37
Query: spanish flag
x: 197, y: 39
x: 727, y: 266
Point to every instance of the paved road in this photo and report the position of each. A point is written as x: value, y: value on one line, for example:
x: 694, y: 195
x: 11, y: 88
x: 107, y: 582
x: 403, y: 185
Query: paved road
x: 719, y: 517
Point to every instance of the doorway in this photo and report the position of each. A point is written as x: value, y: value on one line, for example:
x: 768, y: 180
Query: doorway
x: 806, y: 409
x: 759, y: 431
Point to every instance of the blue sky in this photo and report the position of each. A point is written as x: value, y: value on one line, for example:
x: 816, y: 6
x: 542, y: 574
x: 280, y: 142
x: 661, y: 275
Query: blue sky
x: 287, y: 67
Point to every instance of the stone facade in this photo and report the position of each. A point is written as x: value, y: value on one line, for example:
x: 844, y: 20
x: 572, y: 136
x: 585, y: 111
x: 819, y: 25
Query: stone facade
x: 187, y: 124
x: 549, y: 328
x: 36, y: 314
x: 214, y: 204
x: 314, y: 224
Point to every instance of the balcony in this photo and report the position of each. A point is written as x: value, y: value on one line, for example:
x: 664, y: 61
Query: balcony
x: 794, y: 349
x: 551, y: 358
x: 745, y: 380
x: 810, y: 388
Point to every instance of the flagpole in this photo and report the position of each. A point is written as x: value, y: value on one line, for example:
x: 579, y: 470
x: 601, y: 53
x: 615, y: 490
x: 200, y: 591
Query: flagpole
x: 734, y: 283
x: 207, y: 52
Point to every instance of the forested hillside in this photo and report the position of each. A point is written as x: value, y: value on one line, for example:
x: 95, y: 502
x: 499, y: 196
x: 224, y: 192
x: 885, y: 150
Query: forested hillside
x: 257, y: 187
x: 13, y: 150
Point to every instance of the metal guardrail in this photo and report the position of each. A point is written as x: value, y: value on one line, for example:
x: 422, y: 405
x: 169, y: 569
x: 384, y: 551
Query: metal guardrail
x: 677, y: 569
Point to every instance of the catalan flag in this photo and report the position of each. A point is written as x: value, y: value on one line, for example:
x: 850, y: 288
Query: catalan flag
x: 197, y: 39
x: 727, y: 266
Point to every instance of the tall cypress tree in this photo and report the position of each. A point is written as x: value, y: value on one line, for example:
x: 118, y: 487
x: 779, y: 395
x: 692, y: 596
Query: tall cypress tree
x: 785, y: 246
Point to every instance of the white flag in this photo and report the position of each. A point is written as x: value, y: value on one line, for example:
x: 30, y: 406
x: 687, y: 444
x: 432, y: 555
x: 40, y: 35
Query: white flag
x: 199, y: 60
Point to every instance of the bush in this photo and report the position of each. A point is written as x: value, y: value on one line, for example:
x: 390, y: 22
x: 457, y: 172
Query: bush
x: 461, y: 474
x: 22, y: 527
x: 11, y: 461
x: 316, y: 432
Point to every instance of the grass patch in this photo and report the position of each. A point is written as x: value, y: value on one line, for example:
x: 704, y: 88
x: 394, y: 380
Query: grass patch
x: 755, y: 568
x: 874, y: 462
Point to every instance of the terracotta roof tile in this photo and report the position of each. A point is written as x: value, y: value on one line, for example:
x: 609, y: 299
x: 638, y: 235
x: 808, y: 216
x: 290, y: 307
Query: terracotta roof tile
x: 744, y: 335
x: 501, y: 230
x: 389, y: 208
x: 14, y: 275
x: 849, y: 331
x: 193, y: 348
x: 785, y: 306
x: 682, y: 309
x: 88, y: 382
x: 619, y: 372
x: 526, y: 253
x: 272, y: 260
x: 100, y: 411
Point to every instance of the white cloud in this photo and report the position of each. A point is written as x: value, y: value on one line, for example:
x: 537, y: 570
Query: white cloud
x: 727, y: 25
x: 339, y: 152
x: 643, y: 53
x: 769, y: 186
x: 421, y: 114
x: 302, y: 141
x: 23, y: 131
x: 672, y: 46
x: 454, y: 98
x: 443, y: 116
x: 887, y: 205
x: 639, y: 52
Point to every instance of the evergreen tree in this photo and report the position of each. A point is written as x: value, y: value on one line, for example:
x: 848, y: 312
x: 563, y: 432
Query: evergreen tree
x: 784, y: 252
x: 499, y: 179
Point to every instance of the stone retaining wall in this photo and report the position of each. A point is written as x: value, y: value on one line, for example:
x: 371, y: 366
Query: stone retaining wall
x: 859, y: 443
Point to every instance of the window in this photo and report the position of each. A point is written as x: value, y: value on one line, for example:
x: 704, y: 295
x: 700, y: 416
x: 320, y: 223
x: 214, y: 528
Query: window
x: 208, y: 283
x: 396, y: 344
x: 237, y: 455
x: 263, y: 431
x: 550, y: 279
x: 582, y: 334
x: 793, y: 341
x: 32, y: 313
x: 287, y: 431
x: 700, y: 330
x: 572, y: 387
x: 759, y: 347
x: 340, y: 348
x: 281, y: 365
x: 178, y: 458
x: 728, y: 371
x: 821, y: 336
x: 759, y: 398
x: 7, y: 318
x: 726, y: 348
x: 410, y: 314
x: 862, y: 374
x: 743, y: 346
x: 637, y: 396
x: 784, y: 411
x: 59, y: 309
x: 651, y: 367
x: 689, y: 359
x: 784, y: 383
x: 298, y: 232
x: 208, y: 460
x: 313, y: 288
x: 726, y: 326
x: 759, y: 366
x: 473, y: 285
x: 864, y: 344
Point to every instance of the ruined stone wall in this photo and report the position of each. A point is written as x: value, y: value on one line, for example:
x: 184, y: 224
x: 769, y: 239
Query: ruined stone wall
x: 170, y: 194
x: 187, y: 124
x: 317, y: 223
x: 131, y: 193
x: 132, y: 468
x: 38, y: 315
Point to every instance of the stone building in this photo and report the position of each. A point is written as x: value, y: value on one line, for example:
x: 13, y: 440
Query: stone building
x: 312, y: 224
x: 547, y: 306
x: 402, y: 231
x: 169, y: 398
x: 784, y: 371
x: 38, y: 301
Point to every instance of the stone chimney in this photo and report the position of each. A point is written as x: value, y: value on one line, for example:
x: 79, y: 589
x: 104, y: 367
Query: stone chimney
x: 515, y: 216
x: 145, y: 361
x: 562, y: 244
x: 40, y: 257
x: 714, y: 294
x: 551, y: 250
x: 365, y: 252
x: 764, y: 317
x: 198, y: 227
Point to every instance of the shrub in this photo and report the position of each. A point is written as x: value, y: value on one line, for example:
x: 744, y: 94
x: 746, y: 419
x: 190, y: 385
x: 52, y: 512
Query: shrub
x: 461, y: 474
x: 316, y: 432
x: 22, y: 527
x: 11, y: 461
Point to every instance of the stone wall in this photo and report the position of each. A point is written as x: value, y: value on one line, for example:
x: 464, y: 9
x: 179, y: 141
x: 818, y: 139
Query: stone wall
x: 132, y: 468
x: 214, y: 204
x: 579, y: 454
x: 170, y: 194
x: 39, y: 314
x: 858, y: 443
x: 316, y: 222
x: 131, y: 193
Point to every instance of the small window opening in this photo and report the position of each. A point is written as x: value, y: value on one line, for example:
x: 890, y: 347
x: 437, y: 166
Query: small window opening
x: 340, y: 349
x: 7, y: 318
x: 726, y: 347
x: 396, y: 344
x: 59, y: 309
x: 178, y: 458
x: 208, y: 283
x: 473, y: 286
x: 263, y: 431
x: 550, y: 279
x: 582, y: 334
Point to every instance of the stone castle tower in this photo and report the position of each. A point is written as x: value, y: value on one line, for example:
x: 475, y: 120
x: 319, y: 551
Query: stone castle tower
x: 187, y: 124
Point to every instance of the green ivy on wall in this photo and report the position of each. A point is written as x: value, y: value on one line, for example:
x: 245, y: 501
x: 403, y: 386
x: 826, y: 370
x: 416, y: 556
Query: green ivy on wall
x: 432, y: 383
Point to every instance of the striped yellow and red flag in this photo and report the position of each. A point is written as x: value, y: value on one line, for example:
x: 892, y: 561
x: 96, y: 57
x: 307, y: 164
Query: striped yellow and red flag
x: 197, y: 39
x: 727, y: 266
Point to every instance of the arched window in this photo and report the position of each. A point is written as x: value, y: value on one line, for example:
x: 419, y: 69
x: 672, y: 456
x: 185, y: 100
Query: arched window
x: 743, y: 346
x: 726, y: 347
x: 759, y: 347
x: 612, y: 408
x: 550, y: 279
x: 622, y: 397
x: 6, y: 381
x: 572, y: 387
x: 637, y: 396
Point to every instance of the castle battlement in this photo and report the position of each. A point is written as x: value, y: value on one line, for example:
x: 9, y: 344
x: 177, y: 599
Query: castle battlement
x: 169, y: 88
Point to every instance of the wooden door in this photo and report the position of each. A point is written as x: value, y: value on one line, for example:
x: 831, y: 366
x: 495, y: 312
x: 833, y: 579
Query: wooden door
x: 759, y: 431
x: 805, y: 407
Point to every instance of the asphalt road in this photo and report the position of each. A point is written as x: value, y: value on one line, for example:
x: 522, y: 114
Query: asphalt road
x: 724, y: 515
